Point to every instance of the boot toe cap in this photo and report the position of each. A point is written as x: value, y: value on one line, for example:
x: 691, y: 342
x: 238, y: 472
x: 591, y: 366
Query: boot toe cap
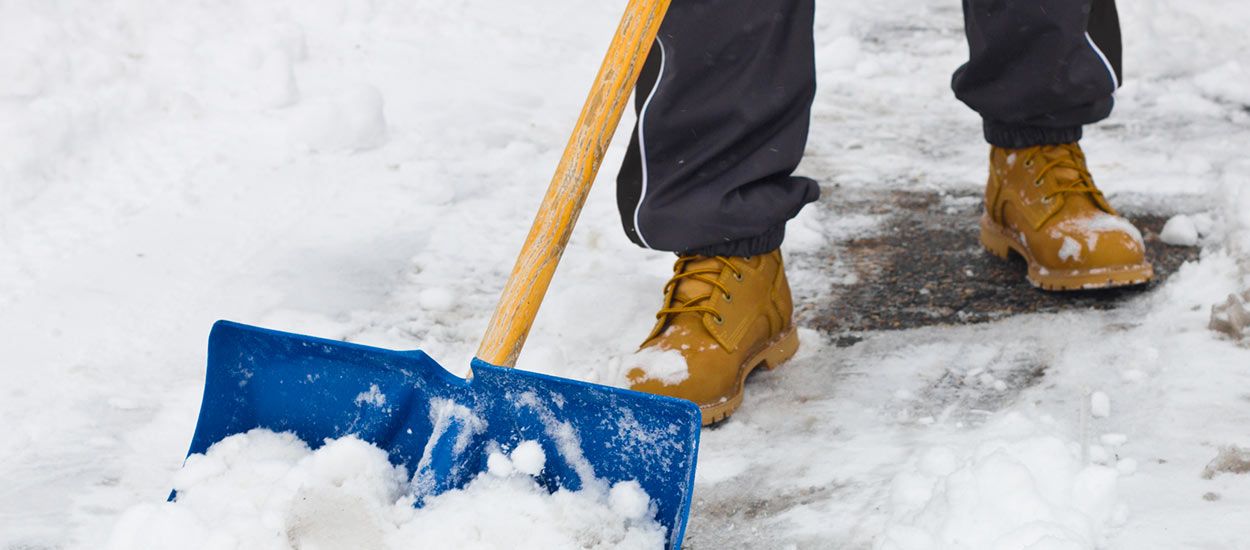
x: 1085, y: 244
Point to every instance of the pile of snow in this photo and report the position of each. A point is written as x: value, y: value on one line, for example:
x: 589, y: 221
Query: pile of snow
x: 266, y: 490
x: 1024, y: 491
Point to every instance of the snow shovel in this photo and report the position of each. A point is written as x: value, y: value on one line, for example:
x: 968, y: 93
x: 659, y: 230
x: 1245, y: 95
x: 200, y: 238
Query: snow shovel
x: 443, y: 427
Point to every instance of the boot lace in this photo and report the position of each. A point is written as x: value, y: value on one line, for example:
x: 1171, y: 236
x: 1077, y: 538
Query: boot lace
x: 1069, y: 156
x: 697, y: 304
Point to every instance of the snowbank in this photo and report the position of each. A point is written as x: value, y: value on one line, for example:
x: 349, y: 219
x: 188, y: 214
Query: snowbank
x: 266, y: 490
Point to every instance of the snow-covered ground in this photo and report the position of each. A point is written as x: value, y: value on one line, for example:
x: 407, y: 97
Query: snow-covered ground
x: 365, y: 170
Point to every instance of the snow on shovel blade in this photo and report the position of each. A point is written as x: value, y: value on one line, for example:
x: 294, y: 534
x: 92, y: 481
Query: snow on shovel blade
x: 443, y: 427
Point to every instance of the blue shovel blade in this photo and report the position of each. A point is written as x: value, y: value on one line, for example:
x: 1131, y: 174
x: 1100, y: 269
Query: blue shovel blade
x: 442, y: 427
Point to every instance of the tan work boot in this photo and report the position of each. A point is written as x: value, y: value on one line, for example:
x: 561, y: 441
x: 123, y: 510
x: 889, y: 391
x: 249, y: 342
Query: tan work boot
x: 725, y: 316
x: 1041, y: 202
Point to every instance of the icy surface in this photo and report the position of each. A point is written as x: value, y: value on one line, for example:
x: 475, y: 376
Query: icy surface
x: 262, y: 490
x: 367, y: 170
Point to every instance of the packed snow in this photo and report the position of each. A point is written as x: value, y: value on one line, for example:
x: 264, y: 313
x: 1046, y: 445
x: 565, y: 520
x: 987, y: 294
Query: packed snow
x: 265, y: 490
x: 367, y: 170
x: 665, y: 365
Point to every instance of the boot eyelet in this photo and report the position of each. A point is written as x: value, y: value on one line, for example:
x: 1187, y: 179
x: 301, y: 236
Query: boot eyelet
x: 738, y: 277
x: 1028, y: 163
x: 1037, y: 182
x: 718, y: 320
x: 729, y: 298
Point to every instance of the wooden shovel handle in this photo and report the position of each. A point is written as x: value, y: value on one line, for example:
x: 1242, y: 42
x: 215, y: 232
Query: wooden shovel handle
x: 576, y: 172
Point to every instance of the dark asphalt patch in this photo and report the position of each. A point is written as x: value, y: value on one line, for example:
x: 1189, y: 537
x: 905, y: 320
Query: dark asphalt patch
x: 927, y: 267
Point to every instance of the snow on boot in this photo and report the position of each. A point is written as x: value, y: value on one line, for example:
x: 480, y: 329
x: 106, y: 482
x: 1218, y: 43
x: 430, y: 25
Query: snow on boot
x: 722, y: 317
x: 1041, y: 202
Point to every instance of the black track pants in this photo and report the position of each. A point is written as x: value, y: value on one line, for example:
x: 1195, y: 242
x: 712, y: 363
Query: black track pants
x: 723, y: 108
x: 1039, y: 69
x: 725, y: 97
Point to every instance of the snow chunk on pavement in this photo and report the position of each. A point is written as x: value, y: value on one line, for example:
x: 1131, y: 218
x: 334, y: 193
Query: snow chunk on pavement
x: 1180, y: 231
x: 269, y: 490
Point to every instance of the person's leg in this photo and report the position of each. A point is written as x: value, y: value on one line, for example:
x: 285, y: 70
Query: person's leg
x: 723, y: 104
x: 1038, y: 71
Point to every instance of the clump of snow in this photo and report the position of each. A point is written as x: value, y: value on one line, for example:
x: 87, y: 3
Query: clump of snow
x: 1026, y: 492
x: 269, y: 490
x: 1186, y: 229
x: 628, y: 499
x: 529, y: 458
x: 499, y: 465
x: 1180, y: 230
x: 668, y: 366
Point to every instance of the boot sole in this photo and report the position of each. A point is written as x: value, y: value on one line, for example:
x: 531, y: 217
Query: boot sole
x: 776, y: 353
x: 1000, y: 242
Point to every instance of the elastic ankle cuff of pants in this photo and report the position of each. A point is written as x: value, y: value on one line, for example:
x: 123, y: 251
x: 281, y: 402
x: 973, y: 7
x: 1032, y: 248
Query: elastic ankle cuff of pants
x: 1019, y: 136
x: 753, y: 246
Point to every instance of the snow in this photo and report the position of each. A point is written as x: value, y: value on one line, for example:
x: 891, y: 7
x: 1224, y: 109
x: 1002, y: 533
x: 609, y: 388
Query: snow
x: 1100, y: 222
x: 366, y: 171
x: 1025, y: 492
x: 268, y: 490
x: 529, y: 458
x: 629, y: 500
x: 1180, y: 230
x: 667, y: 366
x: 351, y: 121
x: 1230, y: 460
x: 1099, y: 405
x: 1233, y: 316
x: 1070, y: 251
x: 373, y: 397
x: 1113, y: 439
